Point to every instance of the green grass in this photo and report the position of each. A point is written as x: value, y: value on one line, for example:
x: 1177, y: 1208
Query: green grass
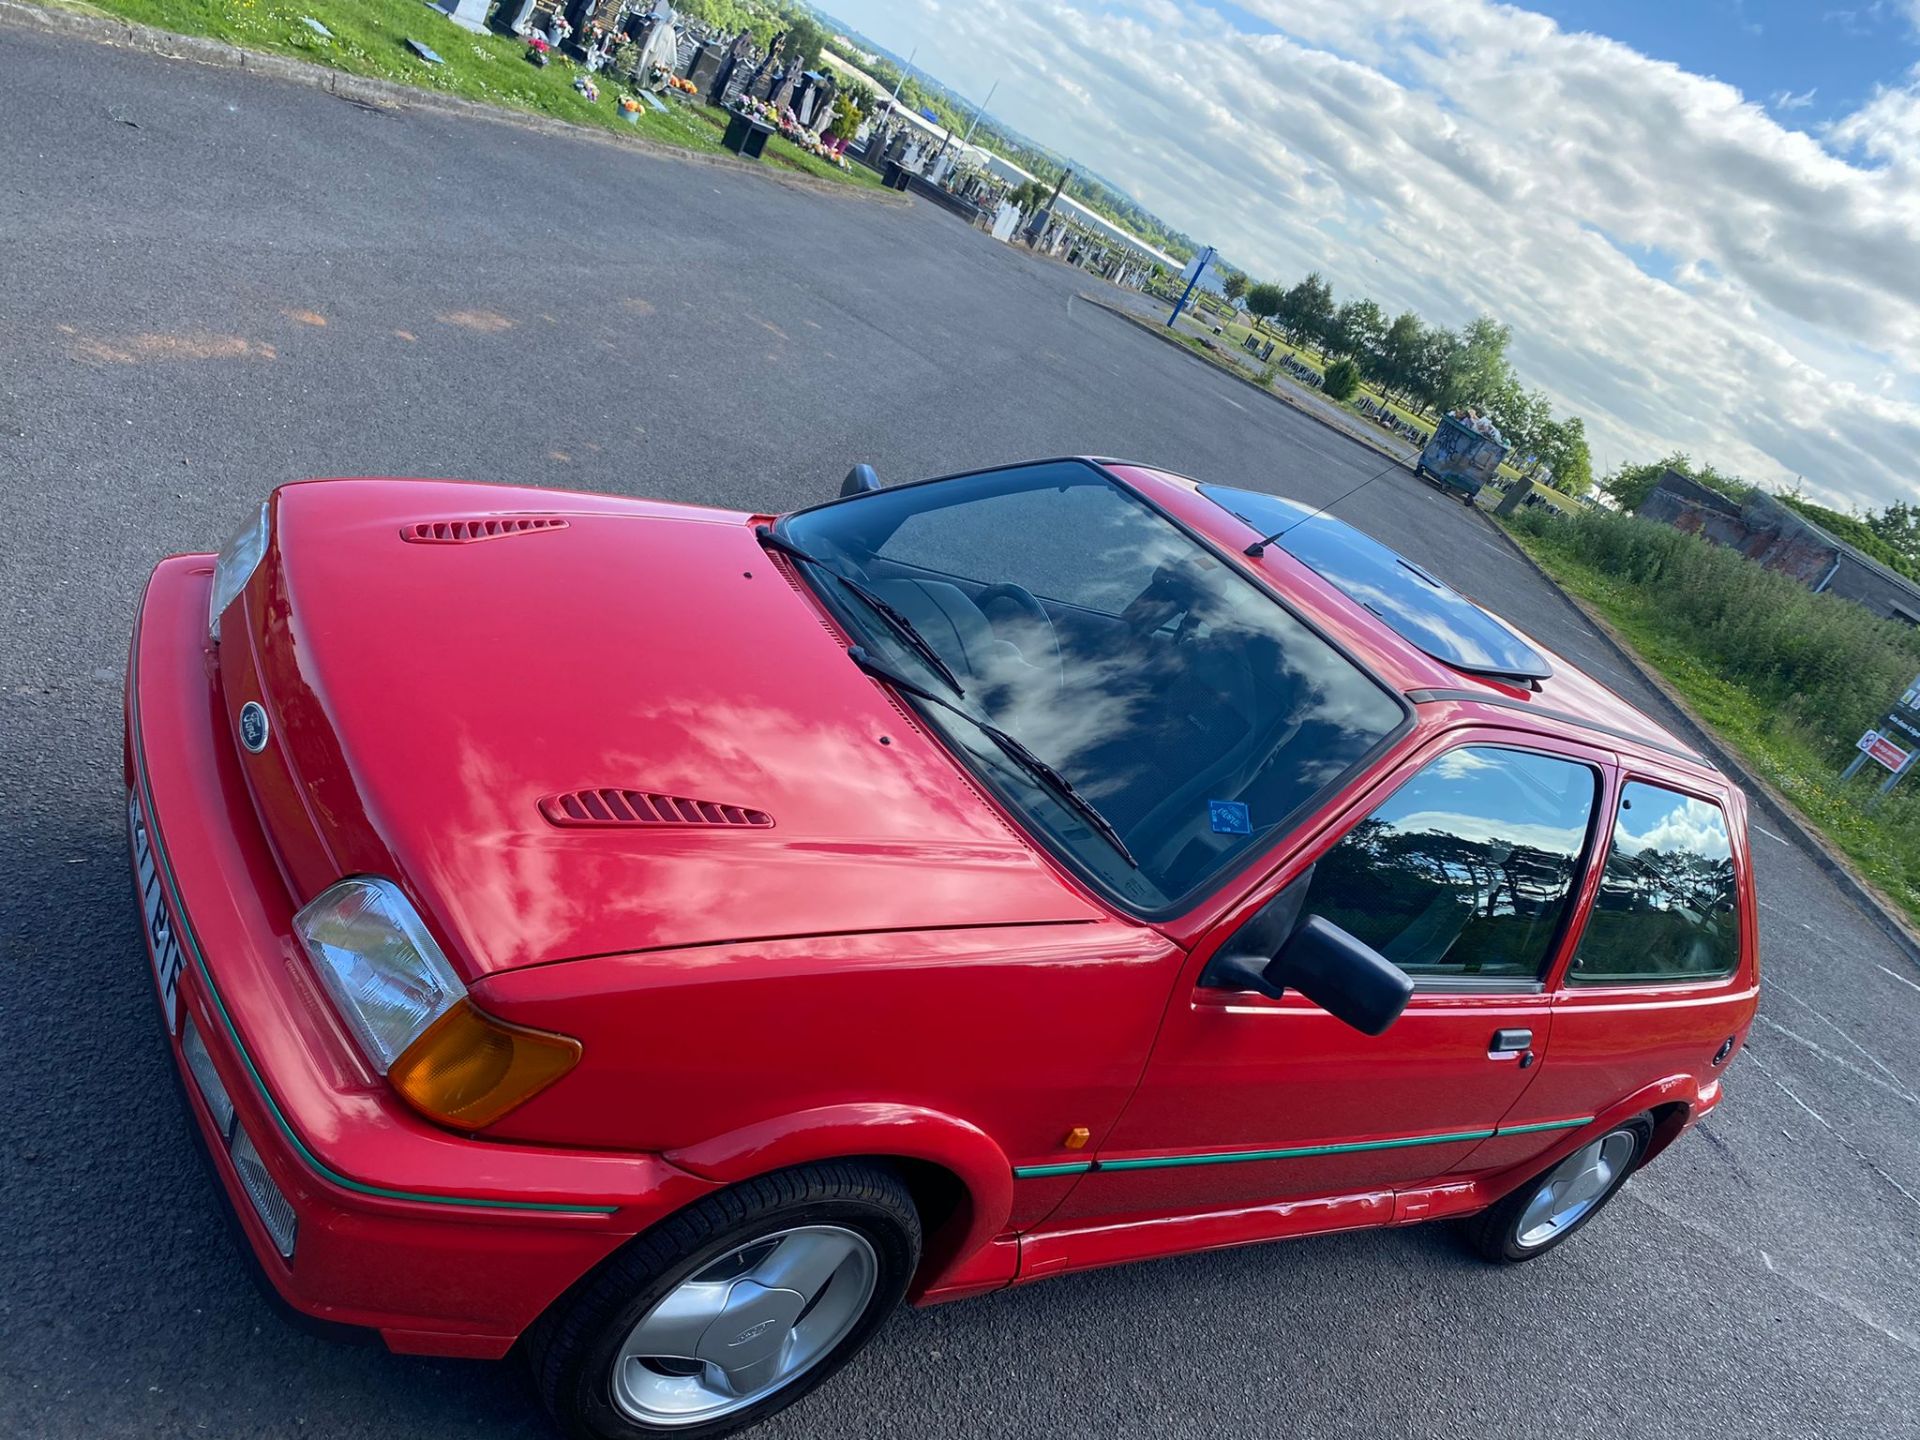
x: 1236, y: 332
x: 1799, y: 753
x: 1234, y: 335
x: 369, y: 39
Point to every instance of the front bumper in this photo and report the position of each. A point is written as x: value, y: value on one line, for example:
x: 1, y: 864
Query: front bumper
x: 446, y: 1244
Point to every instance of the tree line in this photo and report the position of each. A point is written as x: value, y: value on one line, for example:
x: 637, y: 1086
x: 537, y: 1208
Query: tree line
x: 1427, y: 369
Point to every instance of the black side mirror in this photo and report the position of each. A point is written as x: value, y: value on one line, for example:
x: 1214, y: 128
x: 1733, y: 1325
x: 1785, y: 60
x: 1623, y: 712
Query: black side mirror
x: 1346, y: 977
x: 860, y: 479
x: 1343, y: 975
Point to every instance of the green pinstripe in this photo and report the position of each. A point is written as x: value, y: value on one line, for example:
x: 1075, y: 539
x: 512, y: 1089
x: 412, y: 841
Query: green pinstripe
x: 1546, y: 1125
x: 1296, y: 1152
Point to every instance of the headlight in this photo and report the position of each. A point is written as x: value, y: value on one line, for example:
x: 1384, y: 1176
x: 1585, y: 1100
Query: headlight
x: 387, y: 978
x: 410, y: 1014
x: 238, y: 560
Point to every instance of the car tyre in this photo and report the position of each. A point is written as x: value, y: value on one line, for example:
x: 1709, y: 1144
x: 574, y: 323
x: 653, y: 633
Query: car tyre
x: 1560, y: 1201
x: 712, y: 1279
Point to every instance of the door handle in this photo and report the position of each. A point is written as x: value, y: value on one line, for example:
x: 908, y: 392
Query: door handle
x: 1512, y: 1045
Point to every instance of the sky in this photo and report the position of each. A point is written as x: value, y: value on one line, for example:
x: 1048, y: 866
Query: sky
x: 1700, y: 217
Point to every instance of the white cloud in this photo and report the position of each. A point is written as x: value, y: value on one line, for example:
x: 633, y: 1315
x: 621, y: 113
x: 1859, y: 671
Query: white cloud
x: 1788, y: 100
x: 1887, y: 127
x: 1678, y: 266
x: 1692, y: 825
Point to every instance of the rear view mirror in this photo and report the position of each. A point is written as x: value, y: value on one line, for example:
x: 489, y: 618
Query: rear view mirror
x: 860, y: 479
x: 1345, y: 977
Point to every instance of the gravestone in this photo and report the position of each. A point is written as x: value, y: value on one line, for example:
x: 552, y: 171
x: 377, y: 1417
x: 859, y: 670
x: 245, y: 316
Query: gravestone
x: 707, y: 70
x: 467, y: 14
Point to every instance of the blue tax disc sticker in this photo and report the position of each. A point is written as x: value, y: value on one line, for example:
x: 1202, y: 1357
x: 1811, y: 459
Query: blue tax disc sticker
x: 1229, y: 817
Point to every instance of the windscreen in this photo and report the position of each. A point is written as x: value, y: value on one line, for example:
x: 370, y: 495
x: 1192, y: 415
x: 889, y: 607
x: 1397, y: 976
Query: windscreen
x: 1195, y: 713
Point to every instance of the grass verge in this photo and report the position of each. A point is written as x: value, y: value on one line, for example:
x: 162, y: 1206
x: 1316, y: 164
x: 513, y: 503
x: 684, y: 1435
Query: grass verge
x: 1780, y: 746
x: 369, y: 38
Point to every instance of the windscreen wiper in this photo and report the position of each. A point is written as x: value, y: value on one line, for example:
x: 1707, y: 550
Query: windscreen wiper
x: 898, y: 623
x: 1015, y: 751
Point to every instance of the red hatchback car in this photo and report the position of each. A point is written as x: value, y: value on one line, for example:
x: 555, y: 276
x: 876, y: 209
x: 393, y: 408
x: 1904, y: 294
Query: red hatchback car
x: 667, y: 937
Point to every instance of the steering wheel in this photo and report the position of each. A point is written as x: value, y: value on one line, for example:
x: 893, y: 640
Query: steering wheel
x: 1033, y: 614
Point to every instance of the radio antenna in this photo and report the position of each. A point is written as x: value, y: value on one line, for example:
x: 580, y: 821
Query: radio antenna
x: 1259, y: 547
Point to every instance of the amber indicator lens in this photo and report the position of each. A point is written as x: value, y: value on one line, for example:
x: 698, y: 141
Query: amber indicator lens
x: 468, y: 1069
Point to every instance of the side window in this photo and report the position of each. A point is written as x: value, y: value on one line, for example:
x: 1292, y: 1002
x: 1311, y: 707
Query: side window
x: 1468, y: 869
x: 1667, y: 908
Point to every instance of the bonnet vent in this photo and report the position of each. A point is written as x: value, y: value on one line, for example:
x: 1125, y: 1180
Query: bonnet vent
x: 644, y: 808
x: 466, y: 532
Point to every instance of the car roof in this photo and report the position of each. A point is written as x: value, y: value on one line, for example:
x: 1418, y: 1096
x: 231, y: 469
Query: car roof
x: 1432, y: 643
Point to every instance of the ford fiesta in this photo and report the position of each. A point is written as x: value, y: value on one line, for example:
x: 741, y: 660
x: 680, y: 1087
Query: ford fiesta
x: 664, y: 938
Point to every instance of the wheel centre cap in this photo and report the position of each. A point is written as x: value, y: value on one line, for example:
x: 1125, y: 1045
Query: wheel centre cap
x: 753, y: 1325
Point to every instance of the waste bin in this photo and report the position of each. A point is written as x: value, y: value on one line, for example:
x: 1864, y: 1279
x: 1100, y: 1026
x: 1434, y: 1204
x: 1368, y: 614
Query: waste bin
x: 1459, y: 458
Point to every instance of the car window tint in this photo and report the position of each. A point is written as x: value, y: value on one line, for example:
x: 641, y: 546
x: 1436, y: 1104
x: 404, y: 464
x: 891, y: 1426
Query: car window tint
x: 1467, y: 870
x: 1666, y: 908
x: 1026, y: 538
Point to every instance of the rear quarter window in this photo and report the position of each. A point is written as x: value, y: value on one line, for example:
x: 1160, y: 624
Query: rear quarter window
x: 1668, y: 908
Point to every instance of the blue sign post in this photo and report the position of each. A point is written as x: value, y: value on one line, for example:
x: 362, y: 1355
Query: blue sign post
x: 1195, y: 269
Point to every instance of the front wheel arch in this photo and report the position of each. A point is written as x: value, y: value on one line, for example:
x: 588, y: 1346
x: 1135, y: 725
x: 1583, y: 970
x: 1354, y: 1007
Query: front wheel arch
x: 923, y: 1145
x: 569, y: 1347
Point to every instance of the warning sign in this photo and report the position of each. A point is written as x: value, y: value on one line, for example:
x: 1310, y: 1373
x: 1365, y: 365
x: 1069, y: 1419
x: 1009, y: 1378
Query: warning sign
x: 1879, y: 748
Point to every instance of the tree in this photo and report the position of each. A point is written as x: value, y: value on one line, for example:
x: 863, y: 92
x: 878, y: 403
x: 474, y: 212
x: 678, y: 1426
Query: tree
x: 1435, y: 369
x: 1899, y: 526
x: 804, y: 39
x: 846, y: 118
x: 1030, y: 195
x: 1306, y: 312
x: 1479, y: 373
x: 1234, y: 286
x: 1562, y: 447
x: 1398, y: 363
x: 1264, y: 301
x: 1524, y: 417
x: 1358, y: 328
x: 1341, y: 380
x: 731, y: 17
x: 1629, y: 485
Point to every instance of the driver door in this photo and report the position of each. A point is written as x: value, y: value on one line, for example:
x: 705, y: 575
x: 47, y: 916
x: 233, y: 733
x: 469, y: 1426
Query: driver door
x: 1462, y: 869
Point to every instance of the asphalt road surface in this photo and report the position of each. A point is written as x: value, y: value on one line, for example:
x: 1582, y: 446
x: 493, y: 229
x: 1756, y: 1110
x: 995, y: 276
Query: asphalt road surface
x: 212, y: 282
